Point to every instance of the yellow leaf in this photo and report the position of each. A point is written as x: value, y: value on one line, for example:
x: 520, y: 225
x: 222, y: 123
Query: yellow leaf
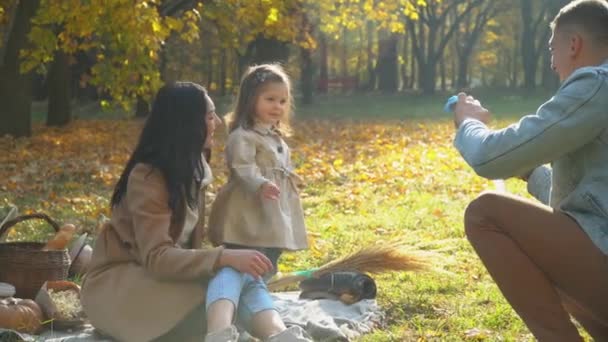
x: 156, y: 27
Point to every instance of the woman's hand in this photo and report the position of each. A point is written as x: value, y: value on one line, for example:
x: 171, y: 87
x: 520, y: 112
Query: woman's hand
x: 270, y: 191
x: 245, y: 261
x: 469, y: 107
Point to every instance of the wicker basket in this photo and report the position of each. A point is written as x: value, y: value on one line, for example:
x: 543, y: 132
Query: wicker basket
x: 26, y: 266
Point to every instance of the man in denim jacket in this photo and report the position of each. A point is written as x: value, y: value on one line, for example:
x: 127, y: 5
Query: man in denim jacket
x: 550, y: 261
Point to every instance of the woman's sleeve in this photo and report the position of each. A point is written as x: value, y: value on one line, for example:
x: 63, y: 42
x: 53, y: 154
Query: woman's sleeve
x: 241, y: 152
x: 569, y: 120
x: 147, y: 199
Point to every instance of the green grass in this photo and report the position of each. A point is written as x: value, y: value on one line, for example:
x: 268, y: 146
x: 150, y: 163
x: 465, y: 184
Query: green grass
x: 356, y: 106
x: 413, y: 106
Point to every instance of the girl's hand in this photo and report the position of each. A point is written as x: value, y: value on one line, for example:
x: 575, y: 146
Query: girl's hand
x: 270, y: 191
x: 245, y: 261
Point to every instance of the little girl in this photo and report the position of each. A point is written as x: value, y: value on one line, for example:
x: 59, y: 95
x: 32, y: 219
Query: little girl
x: 259, y: 207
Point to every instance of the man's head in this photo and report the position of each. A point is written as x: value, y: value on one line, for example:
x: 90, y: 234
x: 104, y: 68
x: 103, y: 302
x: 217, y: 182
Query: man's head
x: 580, y: 36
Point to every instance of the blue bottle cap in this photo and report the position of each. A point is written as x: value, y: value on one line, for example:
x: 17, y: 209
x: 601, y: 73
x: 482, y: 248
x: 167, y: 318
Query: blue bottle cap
x: 449, y: 106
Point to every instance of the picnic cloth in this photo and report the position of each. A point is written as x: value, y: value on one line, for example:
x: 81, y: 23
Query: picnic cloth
x: 325, y: 320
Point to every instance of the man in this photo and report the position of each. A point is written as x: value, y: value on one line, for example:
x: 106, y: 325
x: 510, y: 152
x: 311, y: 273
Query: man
x: 550, y: 261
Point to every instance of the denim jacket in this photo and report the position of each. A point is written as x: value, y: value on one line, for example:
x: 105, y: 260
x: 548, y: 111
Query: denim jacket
x: 570, y: 132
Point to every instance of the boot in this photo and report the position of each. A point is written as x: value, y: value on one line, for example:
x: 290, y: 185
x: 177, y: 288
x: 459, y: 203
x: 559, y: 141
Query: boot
x: 229, y: 334
x: 292, y: 334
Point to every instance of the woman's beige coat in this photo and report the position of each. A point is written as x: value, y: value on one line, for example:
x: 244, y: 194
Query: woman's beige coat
x: 240, y: 215
x: 140, y: 283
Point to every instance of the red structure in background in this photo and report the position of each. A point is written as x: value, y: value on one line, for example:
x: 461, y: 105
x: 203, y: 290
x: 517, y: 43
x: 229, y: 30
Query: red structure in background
x: 341, y: 83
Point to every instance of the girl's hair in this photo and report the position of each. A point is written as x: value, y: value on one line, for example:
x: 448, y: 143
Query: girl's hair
x: 252, y: 84
x: 172, y: 141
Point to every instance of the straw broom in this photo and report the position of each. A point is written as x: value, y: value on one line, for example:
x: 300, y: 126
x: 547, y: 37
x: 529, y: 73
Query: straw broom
x: 373, y: 259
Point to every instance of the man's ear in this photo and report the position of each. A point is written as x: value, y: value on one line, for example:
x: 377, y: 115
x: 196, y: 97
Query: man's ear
x: 576, y: 44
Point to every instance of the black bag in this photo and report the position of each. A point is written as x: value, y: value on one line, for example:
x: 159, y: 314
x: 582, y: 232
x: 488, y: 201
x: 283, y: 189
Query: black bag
x: 349, y: 287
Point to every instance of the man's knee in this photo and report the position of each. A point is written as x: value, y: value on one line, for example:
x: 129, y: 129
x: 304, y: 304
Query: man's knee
x: 479, y: 210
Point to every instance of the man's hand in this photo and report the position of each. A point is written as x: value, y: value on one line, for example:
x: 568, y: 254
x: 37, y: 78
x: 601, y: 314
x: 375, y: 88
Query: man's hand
x: 245, y: 261
x: 468, y: 107
x: 270, y: 191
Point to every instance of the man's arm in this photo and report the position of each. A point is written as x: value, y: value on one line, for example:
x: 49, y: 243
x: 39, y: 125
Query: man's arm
x: 569, y: 120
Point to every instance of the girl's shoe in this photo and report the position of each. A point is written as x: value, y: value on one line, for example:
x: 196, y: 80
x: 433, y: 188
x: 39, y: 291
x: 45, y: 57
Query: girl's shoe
x: 292, y: 334
x: 229, y: 334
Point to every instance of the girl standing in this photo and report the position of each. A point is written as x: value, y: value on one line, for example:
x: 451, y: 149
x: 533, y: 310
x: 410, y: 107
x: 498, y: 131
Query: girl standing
x: 259, y: 208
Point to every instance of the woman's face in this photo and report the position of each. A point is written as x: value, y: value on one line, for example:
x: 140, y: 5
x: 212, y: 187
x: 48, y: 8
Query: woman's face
x: 212, y: 121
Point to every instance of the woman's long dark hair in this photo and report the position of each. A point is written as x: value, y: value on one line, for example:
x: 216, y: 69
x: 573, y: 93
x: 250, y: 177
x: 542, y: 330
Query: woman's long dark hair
x: 172, y: 141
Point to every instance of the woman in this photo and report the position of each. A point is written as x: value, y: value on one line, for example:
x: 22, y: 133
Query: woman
x: 148, y: 275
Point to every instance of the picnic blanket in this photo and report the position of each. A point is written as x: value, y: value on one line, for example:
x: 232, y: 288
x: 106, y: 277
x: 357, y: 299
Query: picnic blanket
x: 325, y: 320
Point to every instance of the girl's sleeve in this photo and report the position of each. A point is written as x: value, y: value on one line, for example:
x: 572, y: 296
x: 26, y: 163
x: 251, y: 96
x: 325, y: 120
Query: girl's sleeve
x: 241, y: 151
x: 147, y: 201
x: 573, y: 117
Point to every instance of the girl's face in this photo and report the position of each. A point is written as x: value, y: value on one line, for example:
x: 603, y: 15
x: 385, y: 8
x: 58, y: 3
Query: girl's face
x: 212, y: 121
x: 272, y: 103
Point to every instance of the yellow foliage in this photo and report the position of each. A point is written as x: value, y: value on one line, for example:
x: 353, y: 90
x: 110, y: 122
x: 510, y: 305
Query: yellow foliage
x: 126, y: 36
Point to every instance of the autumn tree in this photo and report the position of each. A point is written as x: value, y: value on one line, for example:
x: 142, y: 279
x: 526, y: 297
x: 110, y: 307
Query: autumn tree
x: 126, y: 50
x: 535, y: 18
x: 428, y: 41
x: 15, y: 87
x: 383, y: 20
x: 470, y: 31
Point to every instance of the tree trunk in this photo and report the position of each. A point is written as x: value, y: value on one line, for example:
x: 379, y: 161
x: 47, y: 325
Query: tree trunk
x: 222, y: 77
x: 412, y: 68
x: 371, y: 84
x: 142, y: 108
x: 15, y: 88
x: 515, y: 66
x: 528, y: 46
x: 323, y: 75
x: 428, y: 76
x: 453, y: 82
x: 463, y: 72
x: 59, y: 84
x: 534, y: 39
x: 209, y: 70
x: 344, y: 56
x: 406, y: 53
x: 306, y: 75
x: 387, y: 67
x: 443, y: 73
x: 360, y: 57
x: 267, y: 50
x: 10, y: 13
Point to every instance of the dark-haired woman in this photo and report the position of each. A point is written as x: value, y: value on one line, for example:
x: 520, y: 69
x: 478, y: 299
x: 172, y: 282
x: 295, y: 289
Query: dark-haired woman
x: 148, y: 273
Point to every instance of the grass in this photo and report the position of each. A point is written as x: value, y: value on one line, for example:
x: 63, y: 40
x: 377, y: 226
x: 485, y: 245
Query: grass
x: 377, y: 168
x: 412, y: 106
x: 354, y: 106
